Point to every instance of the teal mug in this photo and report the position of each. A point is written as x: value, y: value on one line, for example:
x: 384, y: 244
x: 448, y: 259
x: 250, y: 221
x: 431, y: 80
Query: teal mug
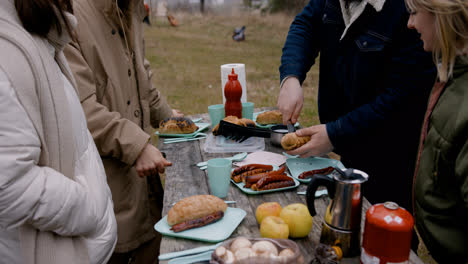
x: 216, y: 114
x: 219, y: 176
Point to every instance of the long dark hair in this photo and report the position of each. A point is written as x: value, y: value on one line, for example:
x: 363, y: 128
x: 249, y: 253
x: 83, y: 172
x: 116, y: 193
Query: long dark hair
x: 40, y: 16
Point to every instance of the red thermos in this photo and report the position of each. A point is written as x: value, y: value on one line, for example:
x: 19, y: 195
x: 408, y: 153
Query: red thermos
x: 387, y: 234
x: 233, y: 93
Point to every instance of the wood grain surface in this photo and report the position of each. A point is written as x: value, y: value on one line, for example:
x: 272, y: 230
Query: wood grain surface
x: 184, y: 179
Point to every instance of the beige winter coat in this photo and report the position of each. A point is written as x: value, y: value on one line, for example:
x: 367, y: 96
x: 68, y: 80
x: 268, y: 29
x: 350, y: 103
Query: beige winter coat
x: 120, y: 105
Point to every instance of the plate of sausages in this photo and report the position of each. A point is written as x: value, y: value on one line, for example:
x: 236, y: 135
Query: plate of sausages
x: 303, y: 169
x: 262, y: 178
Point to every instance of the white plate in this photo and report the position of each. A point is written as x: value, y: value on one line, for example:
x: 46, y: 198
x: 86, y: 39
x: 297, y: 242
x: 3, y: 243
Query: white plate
x: 201, y: 127
x: 298, y: 165
x: 214, y: 232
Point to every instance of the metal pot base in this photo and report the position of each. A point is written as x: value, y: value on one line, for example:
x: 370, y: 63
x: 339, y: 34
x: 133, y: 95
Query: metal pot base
x: 348, y: 241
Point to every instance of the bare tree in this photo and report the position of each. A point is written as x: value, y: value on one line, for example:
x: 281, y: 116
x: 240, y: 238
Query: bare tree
x: 202, y: 6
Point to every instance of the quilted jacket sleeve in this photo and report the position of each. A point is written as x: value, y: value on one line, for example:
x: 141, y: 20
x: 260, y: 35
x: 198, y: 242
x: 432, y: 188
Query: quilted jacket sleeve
x: 39, y: 196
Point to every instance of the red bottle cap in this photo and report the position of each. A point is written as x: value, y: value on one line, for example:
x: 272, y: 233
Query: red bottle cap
x: 232, y: 76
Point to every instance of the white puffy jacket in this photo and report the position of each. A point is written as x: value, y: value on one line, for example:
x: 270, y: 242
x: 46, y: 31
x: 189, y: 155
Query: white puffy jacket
x: 41, y: 196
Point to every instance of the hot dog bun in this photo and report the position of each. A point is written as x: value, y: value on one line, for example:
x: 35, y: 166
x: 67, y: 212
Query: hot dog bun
x: 194, y: 207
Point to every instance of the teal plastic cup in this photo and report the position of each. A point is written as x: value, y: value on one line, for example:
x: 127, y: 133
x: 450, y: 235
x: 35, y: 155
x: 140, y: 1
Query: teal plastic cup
x: 216, y: 114
x: 219, y: 176
x: 247, y: 110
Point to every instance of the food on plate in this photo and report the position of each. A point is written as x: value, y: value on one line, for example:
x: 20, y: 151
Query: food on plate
x: 292, y: 141
x: 257, y: 250
x: 298, y: 219
x: 309, y: 174
x: 243, y: 253
x: 273, y: 178
x: 267, y: 209
x: 237, y: 121
x: 177, y: 125
x: 195, y: 211
x: 241, y: 177
x: 274, y: 227
x: 265, y: 249
x: 240, y: 242
x: 226, y: 255
x: 249, y: 167
x: 286, y: 253
x: 270, y: 117
x: 252, y: 174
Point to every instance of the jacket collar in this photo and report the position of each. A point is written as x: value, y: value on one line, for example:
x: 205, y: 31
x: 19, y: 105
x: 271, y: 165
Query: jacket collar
x: 461, y: 66
x: 355, y: 9
x: 59, y: 41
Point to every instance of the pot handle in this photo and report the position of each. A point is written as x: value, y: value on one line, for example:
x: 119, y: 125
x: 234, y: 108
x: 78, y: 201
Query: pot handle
x: 316, y: 181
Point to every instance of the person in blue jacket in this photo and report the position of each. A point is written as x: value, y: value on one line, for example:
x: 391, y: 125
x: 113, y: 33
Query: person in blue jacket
x: 374, y: 83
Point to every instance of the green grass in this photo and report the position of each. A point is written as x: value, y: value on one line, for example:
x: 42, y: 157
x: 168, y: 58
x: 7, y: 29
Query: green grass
x: 186, y: 60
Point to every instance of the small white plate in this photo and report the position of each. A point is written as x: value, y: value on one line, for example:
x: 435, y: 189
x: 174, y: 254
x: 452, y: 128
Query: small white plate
x: 201, y: 127
x: 214, y: 232
x: 298, y: 165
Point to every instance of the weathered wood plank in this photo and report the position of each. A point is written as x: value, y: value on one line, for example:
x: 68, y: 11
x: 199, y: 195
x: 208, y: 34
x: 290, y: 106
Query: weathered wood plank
x: 185, y: 179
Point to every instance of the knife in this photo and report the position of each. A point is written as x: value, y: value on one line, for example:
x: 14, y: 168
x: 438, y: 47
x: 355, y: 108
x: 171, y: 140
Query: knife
x: 188, y: 252
x: 205, y: 256
x: 290, y: 127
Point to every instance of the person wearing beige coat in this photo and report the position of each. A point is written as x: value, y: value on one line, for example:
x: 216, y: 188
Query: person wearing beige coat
x: 121, y: 106
x: 55, y: 204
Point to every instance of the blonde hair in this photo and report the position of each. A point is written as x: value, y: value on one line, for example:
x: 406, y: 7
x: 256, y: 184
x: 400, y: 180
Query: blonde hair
x: 451, y: 31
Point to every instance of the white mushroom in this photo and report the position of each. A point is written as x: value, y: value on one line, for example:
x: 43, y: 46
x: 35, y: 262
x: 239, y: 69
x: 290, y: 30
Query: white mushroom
x: 243, y: 253
x: 240, y: 242
x: 286, y: 253
x: 265, y: 249
x: 226, y: 255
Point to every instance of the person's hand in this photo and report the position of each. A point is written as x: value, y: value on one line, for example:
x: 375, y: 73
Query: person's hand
x: 318, y: 145
x: 151, y: 162
x: 177, y: 113
x: 290, y: 100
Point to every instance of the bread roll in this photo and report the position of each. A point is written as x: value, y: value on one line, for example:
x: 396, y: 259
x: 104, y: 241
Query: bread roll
x: 291, y: 141
x: 233, y: 119
x: 270, y: 117
x: 177, y: 125
x: 194, y: 207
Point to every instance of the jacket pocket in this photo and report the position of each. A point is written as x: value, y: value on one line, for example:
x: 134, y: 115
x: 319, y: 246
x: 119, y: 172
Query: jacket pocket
x: 371, y: 42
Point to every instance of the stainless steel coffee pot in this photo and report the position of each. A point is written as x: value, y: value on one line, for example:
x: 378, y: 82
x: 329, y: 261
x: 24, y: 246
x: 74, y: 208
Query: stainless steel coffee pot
x: 342, y: 225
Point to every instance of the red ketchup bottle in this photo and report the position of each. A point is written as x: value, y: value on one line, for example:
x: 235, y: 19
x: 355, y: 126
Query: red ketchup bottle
x: 387, y: 234
x: 233, y: 93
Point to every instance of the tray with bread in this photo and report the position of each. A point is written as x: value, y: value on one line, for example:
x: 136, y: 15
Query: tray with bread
x: 201, y: 217
x: 261, y: 178
x: 180, y: 127
x: 267, y: 119
x: 302, y: 169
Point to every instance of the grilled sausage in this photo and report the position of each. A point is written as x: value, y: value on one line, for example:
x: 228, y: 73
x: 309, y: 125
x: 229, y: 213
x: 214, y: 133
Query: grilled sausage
x: 250, y: 173
x: 276, y: 185
x: 248, y: 167
x: 272, y: 178
x: 257, y: 177
x: 211, y: 218
x: 308, y: 174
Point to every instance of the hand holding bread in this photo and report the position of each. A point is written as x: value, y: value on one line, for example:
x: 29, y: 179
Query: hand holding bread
x: 292, y: 141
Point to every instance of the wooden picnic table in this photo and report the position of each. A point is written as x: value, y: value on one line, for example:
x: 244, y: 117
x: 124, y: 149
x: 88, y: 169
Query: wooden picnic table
x: 184, y: 179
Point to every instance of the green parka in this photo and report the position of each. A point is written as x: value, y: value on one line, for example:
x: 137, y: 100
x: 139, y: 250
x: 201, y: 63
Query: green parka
x: 441, y: 183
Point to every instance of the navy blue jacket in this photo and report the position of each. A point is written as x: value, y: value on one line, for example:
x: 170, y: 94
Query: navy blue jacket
x: 373, y: 87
